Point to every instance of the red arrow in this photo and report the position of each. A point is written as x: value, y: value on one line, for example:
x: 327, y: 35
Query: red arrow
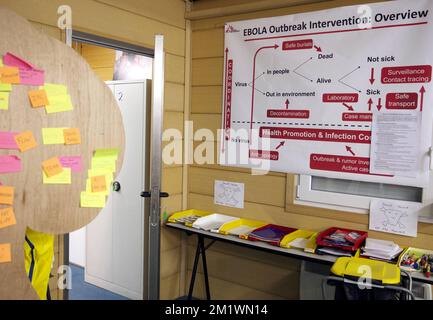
x: 370, y: 103
x: 379, y: 104
x: 422, y: 91
x: 372, y: 76
x: 350, y: 108
x: 225, y: 100
x: 254, y: 86
x: 349, y: 149
x: 318, y: 49
x: 287, y: 103
x: 281, y: 145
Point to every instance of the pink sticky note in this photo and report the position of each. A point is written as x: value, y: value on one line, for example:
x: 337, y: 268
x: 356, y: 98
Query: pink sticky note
x: 13, y: 61
x: 71, y: 162
x: 32, y: 77
x: 7, y: 141
x: 10, y: 164
x: 29, y: 75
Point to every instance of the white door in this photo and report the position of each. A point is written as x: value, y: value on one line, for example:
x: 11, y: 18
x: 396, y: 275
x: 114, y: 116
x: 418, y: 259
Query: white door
x: 115, y: 239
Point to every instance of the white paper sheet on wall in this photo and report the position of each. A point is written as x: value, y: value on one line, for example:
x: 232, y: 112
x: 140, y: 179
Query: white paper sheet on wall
x: 398, y: 217
x: 229, y: 194
x: 395, y: 144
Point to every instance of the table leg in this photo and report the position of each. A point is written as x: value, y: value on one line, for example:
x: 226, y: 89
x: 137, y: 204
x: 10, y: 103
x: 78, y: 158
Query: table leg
x: 203, y: 258
x: 194, y: 270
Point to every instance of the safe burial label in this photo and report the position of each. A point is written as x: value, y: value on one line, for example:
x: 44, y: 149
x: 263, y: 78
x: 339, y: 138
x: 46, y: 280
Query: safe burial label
x: 306, y: 88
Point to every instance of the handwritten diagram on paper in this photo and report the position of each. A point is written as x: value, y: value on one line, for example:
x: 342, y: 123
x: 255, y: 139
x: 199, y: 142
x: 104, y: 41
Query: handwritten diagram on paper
x: 229, y: 194
x: 396, y: 217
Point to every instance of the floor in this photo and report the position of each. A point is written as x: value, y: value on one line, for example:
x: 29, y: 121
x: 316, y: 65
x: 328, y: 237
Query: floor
x: 85, y: 291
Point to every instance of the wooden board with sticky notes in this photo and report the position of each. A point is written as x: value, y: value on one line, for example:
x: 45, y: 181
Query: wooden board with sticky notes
x: 77, y: 99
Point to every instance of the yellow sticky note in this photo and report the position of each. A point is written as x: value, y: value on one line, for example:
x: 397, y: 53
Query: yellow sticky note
x: 54, y: 89
x: 53, y: 135
x: 98, y: 184
x: 10, y: 75
x: 60, y: 103
x: 4, y: 100
x: 92, y: 200
x: 25, y: 141
x: 38, y: 98
x: 5, y: 87
x: 104, y: 163
x: 52, y: 167
x: 7, y: 218
x: 110, y: 153
x: 5, y: 253
x: 7, y: 195
x: 62, y: 178
x: 72, y: 136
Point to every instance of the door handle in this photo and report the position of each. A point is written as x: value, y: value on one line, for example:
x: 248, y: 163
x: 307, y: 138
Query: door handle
x: 148, y: 194
x: 116, y: 186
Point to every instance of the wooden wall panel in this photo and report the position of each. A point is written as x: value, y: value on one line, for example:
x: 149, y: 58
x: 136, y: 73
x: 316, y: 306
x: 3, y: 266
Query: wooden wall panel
x: 258, y: 189
x: 207, y: 100
x: 154, y: 10
x: 229, y: 290
x: 174, y: 99
x: 280, y: 281
x: 175, y: 68
x: 104, y: 20
x: 213, y: 47
x: 207, y: 71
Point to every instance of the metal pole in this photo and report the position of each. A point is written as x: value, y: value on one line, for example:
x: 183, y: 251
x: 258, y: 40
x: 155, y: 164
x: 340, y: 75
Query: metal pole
x: 68, y: 42
x: 155, y: 179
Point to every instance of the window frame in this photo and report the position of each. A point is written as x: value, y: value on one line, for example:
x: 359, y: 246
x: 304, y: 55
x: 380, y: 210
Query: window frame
x: 357, y: 204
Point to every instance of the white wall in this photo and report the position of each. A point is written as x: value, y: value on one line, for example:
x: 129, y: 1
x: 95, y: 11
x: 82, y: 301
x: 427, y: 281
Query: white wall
x: 77, y: 247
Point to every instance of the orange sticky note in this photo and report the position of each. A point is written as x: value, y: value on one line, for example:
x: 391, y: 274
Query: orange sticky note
x: 99, y: 184
x: 5, y: 253
x: 7, y: 195
x: 7, y: 218
x: 10, y: 75
x: 25, y: 141
x: 72, y: 136
x: 52, y: 167
x: 38, y: 98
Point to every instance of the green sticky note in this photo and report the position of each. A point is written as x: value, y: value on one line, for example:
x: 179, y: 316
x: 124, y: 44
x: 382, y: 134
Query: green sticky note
x: 54, y: 89
x: 61, y: 178
x: 92, y: 200
x: 4, y: 100
x: 5, y: 87
x: 53, y: 135
x: 61, y: 103
x: 107, y: 153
